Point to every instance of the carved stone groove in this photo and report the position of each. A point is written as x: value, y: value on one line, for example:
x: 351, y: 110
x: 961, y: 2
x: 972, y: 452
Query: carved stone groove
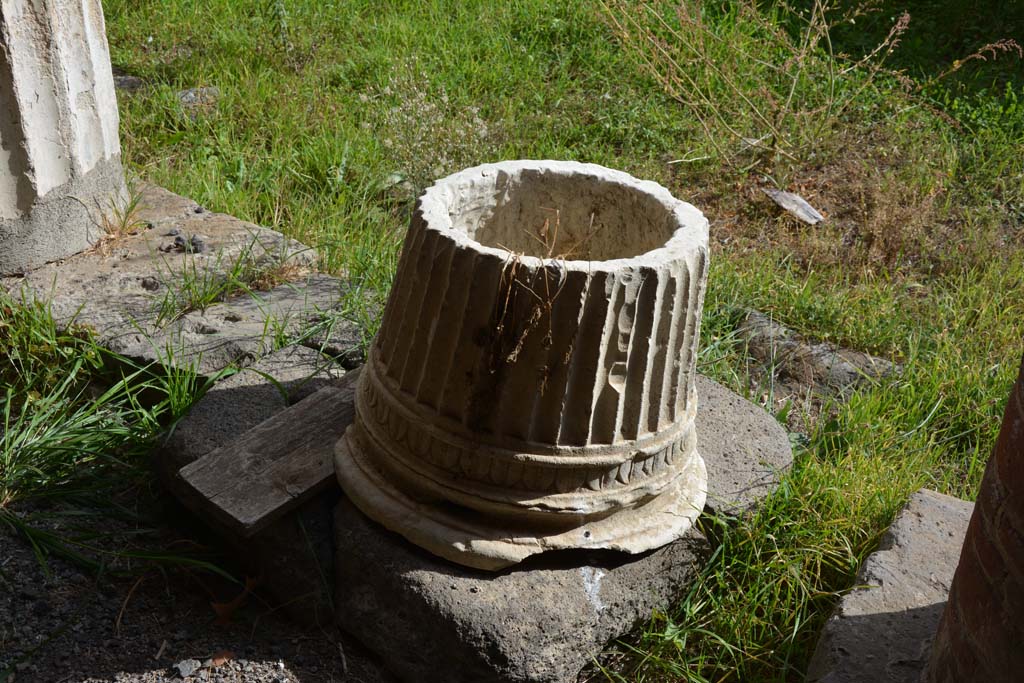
x: 535, y: 367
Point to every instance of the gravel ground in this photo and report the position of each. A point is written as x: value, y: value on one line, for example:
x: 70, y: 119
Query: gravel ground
x: 63, y: 624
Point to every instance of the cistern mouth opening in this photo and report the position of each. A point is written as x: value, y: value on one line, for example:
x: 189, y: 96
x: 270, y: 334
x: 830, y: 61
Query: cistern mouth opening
x: 565, y: 213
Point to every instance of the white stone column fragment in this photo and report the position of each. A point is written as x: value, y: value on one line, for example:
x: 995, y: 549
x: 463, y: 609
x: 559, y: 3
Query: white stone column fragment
x: 532, y: 383
x: 60, y: 157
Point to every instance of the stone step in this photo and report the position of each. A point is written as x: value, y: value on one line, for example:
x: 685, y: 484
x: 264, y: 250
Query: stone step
x: 144, y: 293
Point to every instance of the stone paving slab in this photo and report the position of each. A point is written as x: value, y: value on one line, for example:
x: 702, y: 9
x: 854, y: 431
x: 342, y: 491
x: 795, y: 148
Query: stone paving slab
x: 237, y: 331
x: 136, y: 291
x: 881, y: 630
x: 542, y: 620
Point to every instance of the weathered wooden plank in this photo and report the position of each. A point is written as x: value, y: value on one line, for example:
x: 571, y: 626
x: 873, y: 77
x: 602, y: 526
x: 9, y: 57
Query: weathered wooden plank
x: 275, y: 466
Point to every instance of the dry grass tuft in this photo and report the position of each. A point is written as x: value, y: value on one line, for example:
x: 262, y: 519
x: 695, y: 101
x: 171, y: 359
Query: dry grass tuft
x: 266, y: 278
x: 885, y: 211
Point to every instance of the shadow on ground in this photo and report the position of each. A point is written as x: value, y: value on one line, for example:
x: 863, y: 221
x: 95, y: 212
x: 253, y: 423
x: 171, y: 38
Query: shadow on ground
x: 941, y: 32
x: 61, y: 623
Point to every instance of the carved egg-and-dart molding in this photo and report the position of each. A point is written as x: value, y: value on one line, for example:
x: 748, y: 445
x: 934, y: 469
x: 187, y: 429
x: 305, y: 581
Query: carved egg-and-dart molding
x: 532, y: 383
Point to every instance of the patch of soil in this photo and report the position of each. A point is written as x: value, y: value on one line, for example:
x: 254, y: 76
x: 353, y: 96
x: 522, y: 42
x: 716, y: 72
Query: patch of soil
x: 59, y: 622
x: 883, y: 207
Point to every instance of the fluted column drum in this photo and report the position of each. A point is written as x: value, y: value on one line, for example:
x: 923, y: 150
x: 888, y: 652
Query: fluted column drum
x: 532, y: 383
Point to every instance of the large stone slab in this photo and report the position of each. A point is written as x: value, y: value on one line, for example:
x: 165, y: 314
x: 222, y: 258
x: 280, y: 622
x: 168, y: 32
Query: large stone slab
x: 542, y: 620
x: 881, y: 630
x: 238, y: 331
x: 156, y: 293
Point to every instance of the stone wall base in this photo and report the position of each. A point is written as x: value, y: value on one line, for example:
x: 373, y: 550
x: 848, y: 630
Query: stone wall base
x: 544, y: 620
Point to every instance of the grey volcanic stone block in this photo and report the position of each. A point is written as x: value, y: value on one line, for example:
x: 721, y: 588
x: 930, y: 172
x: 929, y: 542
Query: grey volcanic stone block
x: 745, y: 449
x: 881, y: 630
x: 822, y: 366
x: 431, y: 620
x: 119, y: 289
x: 237, y: 331
x: 542, y: 620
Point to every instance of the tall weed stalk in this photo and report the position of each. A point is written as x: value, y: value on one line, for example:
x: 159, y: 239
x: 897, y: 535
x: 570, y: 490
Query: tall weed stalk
x: 765, y: 86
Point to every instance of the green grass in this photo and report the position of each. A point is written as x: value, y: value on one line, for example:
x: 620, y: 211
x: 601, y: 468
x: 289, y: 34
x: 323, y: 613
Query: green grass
x: 59, y: 416
x: 76, y: 425
x: 332, y: 116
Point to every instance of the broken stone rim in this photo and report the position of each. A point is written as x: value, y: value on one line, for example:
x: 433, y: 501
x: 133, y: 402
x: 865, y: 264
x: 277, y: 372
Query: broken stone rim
x: 485, y: 486
x: 493, y: 547
x: 433, y: 206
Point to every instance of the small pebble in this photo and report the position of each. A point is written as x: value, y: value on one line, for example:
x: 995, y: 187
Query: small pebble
x: 187, y: 667
x: 198, y: 243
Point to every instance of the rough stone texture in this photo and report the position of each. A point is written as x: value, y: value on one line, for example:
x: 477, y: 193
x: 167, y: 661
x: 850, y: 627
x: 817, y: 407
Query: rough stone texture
x: 132, y: 291
x: 125, y: 81
x: 196, y: 101
x: 745, y: 449
x: 238, y: 331
x: 543, y: 620
x: 820, y: 365
x: 881, y: 630
x: 59, y: 147
x: 535, y: 367
x: 294, y: 555
x: 540, y: 622
x: 981, y: 634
